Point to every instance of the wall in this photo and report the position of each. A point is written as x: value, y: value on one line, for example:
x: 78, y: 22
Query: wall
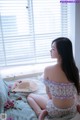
x: 75, y: 31
x: 77, y: 34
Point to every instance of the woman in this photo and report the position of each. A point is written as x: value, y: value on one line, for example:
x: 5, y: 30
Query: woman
x: 62, y: 84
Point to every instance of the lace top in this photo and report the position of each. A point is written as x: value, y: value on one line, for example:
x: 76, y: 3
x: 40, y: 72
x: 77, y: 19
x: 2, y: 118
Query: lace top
x: 61, y: 90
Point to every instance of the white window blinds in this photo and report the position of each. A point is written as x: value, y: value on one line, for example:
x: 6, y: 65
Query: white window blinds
x: 27, y: 28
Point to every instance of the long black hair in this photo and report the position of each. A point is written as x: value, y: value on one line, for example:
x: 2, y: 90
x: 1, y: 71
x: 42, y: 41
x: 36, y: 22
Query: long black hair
x: 64, y: 48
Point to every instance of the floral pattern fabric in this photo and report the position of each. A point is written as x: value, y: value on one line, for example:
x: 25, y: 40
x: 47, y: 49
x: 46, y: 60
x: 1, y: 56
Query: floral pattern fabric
x: 14, y: 105
x: 61, y: 90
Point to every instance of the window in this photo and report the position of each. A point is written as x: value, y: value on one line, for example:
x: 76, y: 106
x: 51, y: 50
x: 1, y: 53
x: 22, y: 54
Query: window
x: 27, y: 28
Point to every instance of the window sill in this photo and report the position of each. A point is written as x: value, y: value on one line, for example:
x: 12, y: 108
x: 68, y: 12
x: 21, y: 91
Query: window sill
x: 19, y: 72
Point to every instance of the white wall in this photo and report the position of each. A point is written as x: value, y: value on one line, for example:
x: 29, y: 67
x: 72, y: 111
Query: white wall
x: 77, y: 34
x: 75, y: 31
x: 72, y: 25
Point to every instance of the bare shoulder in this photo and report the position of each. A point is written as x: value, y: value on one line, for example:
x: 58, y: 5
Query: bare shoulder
x: 55, y: 73
x: 48, y: 70
x: 51, y: 68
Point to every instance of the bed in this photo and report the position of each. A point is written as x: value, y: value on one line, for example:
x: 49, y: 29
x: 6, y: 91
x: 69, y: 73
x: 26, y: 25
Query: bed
x: 21, y: 109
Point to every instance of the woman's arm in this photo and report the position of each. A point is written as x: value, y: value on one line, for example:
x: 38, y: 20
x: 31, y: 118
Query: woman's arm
x: 46, y: 71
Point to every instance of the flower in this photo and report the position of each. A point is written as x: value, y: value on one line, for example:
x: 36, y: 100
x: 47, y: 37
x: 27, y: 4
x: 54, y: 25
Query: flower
x: 8, y: 93
x: 10, y: 90
x: 9, y: 104
x: 19, y: 98
x: 10, y: 118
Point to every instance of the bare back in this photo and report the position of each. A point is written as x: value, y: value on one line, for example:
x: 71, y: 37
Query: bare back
x: 55, y: 74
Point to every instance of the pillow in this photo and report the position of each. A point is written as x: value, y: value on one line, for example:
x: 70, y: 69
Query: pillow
x: 3, y: 95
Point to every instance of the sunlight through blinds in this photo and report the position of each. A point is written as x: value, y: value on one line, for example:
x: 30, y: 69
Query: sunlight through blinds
x: 27, y: 28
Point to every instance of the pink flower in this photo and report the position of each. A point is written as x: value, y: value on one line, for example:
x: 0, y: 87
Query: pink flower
x: 8, y: 93
x: 19, y: 98
x: 20, y: 81
x: 9, y: 104
x: 14, y: 92
x: 10, y: 118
